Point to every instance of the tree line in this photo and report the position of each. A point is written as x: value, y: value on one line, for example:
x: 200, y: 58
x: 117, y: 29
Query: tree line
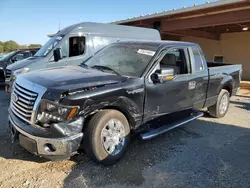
x: 11, y: 45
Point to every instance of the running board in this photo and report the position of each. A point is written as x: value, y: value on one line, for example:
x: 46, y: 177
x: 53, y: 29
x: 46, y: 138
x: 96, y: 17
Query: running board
x: 165, y: 128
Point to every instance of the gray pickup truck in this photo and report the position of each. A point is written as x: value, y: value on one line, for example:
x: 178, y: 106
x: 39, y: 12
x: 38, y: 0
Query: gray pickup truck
x: 13, y: 57
x: 97, y: 105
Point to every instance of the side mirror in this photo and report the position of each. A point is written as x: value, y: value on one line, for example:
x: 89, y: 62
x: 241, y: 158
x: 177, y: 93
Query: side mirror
x: 57, y: 53
x: 13, y: 60
x: 162, y: 75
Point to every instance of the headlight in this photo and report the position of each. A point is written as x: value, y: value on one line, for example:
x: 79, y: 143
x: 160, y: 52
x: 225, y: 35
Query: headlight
x: 20, y: 71
x: 50, y: 112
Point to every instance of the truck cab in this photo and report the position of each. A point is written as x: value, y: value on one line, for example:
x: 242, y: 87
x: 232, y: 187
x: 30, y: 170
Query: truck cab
x: 97, y: 105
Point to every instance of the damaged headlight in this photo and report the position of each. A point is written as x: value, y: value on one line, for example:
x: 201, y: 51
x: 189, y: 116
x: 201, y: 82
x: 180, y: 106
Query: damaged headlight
x: 51, y: 112
x: 69, y: 129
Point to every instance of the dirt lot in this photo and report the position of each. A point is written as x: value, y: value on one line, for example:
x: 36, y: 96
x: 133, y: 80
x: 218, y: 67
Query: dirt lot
x: 205, y: 153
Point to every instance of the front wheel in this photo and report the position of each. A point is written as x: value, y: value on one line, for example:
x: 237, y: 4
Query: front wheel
x: 221, y: 107
x: 107, y: 136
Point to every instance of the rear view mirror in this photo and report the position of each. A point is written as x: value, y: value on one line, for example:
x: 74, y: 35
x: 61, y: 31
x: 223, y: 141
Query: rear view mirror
x: 57, y: 54
x: 162, y: 75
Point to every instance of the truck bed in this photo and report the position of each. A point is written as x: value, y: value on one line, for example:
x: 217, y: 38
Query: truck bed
x: 219, y: 74
x: 213, y: 64
x: 226, y: 69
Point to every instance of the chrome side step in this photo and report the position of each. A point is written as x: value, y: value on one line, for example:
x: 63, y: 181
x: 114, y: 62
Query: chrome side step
x: 165, y: 128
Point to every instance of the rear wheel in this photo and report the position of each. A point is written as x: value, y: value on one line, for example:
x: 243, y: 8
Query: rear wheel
x: 221, y: 107
x: 107, y: 137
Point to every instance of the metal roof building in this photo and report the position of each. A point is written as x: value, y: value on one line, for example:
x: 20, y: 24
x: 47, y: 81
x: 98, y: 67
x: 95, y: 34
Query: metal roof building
x: 220, y: 27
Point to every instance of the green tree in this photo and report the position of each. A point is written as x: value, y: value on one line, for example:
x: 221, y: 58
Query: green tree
x: 1, y: 48
x: 35, y: 46
x: 23, y: 46
x: 10, y: 46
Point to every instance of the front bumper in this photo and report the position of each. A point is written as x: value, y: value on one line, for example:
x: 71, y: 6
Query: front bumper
x: 51, y: 148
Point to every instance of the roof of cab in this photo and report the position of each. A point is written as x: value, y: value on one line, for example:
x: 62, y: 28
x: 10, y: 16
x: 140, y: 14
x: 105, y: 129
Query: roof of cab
x: 159, y: 43
x: 113, y: 30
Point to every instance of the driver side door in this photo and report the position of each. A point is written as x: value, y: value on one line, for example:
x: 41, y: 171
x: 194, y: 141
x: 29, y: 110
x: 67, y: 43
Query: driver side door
x: 171, y: 95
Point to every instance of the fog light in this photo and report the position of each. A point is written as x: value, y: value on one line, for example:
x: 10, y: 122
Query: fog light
x: 49, y: 147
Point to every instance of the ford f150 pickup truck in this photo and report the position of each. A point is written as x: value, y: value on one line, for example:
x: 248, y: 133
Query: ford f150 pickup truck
x: 96, y: 106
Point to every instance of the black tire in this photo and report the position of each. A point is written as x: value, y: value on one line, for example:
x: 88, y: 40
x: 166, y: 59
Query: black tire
x: 214, y: 110
x: 93, y: 141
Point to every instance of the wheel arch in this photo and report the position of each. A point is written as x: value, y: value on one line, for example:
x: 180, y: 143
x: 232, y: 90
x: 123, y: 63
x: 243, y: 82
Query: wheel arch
x: 128, y: 116
x: 227, y: 84
x: 228, y: 88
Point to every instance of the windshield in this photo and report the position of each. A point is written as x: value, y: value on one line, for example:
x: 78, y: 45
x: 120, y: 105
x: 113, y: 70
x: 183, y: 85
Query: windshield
x: 7, y: 56
x: 48, y: 46
x: 125, y: 59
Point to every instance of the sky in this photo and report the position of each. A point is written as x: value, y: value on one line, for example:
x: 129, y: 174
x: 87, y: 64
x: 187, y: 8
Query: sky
x: 30, y: 21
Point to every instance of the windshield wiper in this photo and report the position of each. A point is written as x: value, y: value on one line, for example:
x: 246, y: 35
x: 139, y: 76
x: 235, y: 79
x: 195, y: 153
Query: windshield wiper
x: 101, y: 67
x: 83, y: 64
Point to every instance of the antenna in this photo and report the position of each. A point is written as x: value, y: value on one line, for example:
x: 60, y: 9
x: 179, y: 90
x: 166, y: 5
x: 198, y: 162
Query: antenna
x: 59, y: 25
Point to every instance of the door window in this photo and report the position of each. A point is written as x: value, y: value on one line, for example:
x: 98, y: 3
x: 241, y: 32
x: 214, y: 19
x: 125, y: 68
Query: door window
x: 176, y: 59
x: 21, y: 56
x: 65, y: 48
x: 76, y: 46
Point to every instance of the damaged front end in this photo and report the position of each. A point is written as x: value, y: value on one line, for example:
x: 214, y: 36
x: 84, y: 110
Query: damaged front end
x: 57, y: 115
x: 59, y: 141
x: 55, y: 134
x: 57, y: 130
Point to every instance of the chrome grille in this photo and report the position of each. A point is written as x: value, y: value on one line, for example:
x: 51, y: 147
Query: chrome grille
x: 22, y: 102
x: 7, y: 75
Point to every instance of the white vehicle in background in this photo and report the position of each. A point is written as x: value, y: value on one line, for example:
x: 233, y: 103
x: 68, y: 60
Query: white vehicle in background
x: 76, y: 43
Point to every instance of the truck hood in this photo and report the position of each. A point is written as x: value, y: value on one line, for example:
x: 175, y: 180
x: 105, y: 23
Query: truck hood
x: 23, y: 63
x: 71, y: 78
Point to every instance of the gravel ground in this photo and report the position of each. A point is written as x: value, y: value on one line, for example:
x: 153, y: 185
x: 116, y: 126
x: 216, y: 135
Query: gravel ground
x: 205, y: 153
